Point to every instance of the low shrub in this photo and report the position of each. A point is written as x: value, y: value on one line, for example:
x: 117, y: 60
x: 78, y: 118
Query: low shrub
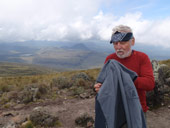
x: 81, y: 75
x: 41, y: 117
x: 78, y: 90
x: 28, y: 124
x: 32, y: 92
x: 60, y: 82
x: 5, y: 88
x: 85, y: 121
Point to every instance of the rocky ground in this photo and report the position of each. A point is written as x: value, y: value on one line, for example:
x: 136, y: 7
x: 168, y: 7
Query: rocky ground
x: 70, y: 103
x: 67, y: 110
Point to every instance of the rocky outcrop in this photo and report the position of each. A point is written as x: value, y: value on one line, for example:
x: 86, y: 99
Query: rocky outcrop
x: 161, y: 91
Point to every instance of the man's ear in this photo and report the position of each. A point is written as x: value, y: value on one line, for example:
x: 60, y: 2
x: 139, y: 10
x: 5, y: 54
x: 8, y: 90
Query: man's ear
x: 133, y: 41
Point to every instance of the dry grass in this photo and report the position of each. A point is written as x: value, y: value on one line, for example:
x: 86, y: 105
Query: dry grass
x: 11, y: 88
x: 167, y: 62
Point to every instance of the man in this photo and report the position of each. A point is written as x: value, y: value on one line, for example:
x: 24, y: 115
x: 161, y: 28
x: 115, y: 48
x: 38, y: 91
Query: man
x: 122, y: 39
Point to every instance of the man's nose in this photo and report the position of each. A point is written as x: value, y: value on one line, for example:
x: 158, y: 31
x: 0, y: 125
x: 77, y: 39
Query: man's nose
x: 119, y: 45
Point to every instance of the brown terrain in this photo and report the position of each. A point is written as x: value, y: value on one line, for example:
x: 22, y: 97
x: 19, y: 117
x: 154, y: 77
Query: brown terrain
x: 69, y: 109
x: 67, y: 101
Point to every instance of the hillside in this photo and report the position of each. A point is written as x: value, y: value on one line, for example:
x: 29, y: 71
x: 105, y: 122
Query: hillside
x: 58, y: 100
x: 19, y: 69
x: 68, y: 58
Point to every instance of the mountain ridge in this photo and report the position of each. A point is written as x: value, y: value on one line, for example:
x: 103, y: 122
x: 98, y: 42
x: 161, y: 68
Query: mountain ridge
x: 69, y: 55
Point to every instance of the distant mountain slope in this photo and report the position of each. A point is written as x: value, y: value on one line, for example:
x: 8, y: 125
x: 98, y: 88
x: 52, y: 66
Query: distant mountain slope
x: 56, y: 55
x: 78, y: 46
x: 68, y: 58
x: 69, y: 55
x: 18, y: 69
x: 11, y: 52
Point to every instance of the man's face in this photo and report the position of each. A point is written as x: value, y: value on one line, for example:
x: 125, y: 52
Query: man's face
x: 123, y: 48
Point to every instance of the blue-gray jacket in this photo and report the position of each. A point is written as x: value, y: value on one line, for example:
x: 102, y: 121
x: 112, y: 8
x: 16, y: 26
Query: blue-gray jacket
x: 117, y: 101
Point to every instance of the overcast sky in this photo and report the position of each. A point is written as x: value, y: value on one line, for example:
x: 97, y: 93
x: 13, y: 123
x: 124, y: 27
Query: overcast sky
x: 84, y: 20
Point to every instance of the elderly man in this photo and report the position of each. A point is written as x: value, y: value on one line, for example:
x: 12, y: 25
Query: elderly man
x: 122, y: 39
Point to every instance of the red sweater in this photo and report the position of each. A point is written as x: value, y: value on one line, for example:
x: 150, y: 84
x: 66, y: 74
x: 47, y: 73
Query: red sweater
x: 140, y: 63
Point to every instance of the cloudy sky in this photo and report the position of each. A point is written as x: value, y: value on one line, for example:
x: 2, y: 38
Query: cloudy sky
x: 84, y: 20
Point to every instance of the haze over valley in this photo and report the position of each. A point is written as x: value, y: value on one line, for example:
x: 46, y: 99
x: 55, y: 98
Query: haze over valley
x: 68, y: 55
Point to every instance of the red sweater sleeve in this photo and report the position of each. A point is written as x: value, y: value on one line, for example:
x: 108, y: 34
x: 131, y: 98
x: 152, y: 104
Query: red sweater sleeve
x: 145, y: 80
x: 107, y: 58
x: 111, y: 56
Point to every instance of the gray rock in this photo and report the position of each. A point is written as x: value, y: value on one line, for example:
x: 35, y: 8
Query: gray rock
x: 169, y: 106
x: 167, y: 80
x: 9, y: 125
x: 155, y: 65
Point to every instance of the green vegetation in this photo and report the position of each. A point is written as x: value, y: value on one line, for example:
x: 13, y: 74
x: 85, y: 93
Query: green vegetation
x: 28, y: 124
x: 38, y: 88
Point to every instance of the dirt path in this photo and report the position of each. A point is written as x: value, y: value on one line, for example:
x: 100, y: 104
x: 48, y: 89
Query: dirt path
x: 159, y: 118
x: 69, y: 110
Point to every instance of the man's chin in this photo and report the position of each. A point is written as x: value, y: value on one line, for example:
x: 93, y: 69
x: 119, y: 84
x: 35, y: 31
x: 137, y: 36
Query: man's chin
x: 121, y: 56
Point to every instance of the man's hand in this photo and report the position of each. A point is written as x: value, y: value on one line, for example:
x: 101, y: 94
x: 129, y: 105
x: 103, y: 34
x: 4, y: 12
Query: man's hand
x: 97, y: 86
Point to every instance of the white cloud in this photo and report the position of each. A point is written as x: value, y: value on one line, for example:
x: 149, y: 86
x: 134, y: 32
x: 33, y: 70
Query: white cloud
x: 73, y: 20
x: 36, y: 19
x: 156, y: 33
